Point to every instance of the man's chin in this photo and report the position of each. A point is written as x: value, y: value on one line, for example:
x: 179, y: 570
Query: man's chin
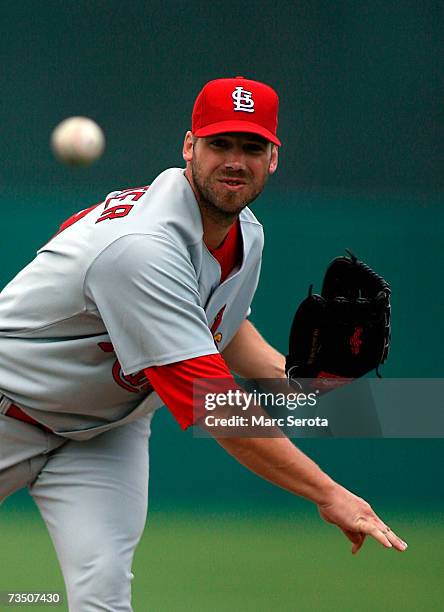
x: 232, y: 201
x: 231, y: 207
x: 227, y: 202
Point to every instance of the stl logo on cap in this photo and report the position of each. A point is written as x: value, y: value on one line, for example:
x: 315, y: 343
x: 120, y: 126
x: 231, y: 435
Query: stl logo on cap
x: 236, y: 105
x: 243, y: 100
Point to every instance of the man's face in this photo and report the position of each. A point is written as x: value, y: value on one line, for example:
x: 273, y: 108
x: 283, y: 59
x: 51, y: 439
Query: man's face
x: 229, y: 170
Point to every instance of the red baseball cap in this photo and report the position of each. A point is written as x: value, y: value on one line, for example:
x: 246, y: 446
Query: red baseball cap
x: 236, y: 105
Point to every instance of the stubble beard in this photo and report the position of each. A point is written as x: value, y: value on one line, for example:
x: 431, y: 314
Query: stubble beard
x: 222, y: 210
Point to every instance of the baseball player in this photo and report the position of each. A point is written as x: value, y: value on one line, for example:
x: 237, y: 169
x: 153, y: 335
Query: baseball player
x: 129, y: 303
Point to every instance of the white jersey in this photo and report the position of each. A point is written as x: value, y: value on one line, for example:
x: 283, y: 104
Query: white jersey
x: 127, y: 286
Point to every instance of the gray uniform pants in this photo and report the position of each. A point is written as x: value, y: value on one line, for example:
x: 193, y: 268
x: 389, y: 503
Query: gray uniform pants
x: 92, y: 496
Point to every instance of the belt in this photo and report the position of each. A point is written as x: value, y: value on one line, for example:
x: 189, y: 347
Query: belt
x: 17, y: 413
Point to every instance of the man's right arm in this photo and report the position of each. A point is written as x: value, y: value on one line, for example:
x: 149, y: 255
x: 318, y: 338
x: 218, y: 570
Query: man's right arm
x: 275, y: 459
x: 280, y: 462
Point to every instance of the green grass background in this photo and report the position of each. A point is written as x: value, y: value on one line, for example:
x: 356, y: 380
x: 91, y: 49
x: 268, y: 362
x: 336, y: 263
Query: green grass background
x: 249, y: 561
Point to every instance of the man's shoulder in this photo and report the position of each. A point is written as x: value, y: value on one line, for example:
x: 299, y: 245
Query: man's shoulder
x: 164, y: 178
x: 126, y: 193
x: 167, y: 206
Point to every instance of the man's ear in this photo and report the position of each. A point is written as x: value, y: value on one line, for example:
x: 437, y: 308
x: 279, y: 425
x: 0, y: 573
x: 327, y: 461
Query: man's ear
x: 273, y: 159
x: 187, y: 151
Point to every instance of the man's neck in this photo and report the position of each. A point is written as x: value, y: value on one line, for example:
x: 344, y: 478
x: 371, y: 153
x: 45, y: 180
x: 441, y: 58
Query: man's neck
x: 213, y: 233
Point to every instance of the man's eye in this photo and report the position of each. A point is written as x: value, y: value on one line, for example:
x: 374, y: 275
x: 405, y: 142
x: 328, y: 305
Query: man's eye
x: 219, y: 143
x: 254, y: 147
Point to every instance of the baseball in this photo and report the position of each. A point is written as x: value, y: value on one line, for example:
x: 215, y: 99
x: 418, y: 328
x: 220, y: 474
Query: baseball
x: 77, y: 141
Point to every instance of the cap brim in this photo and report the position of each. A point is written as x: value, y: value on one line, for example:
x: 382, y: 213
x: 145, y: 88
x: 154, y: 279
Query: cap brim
x: 237, y: 126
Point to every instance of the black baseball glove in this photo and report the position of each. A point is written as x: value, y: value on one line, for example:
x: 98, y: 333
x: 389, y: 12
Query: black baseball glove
x: 344, y: 332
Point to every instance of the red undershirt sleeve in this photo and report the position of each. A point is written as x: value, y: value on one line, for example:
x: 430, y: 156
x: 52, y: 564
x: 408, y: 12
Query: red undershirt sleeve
x: 174, y: 383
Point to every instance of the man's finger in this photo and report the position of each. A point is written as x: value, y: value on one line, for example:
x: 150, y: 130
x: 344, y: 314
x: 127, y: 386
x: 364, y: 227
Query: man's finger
x: 384, y: 535
x: 396, y: 541
x: 358, y: 544
x: 356, y: 538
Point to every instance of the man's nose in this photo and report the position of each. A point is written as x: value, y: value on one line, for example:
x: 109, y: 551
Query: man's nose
x: 235, y: 160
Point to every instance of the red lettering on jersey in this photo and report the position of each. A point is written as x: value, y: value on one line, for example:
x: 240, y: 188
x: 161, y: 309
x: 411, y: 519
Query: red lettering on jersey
x: 116, y: 212
x: 121, y: 210
x: 134, y: 383
x: 133, y: 194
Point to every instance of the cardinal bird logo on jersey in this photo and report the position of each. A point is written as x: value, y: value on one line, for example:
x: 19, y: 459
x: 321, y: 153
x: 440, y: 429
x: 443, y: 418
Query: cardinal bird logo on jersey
x: 216, y: 324
x: 135, y: 383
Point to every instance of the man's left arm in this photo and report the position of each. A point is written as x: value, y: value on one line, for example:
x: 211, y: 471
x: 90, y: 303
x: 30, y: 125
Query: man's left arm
x: 250, y: 356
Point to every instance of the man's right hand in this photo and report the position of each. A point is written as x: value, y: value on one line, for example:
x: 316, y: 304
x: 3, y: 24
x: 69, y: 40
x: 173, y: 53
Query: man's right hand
x: 355, y: 517
x: 280, y: 462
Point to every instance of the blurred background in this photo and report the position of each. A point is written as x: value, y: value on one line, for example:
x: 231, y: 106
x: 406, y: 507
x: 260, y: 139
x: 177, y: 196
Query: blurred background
x: 361, y: 87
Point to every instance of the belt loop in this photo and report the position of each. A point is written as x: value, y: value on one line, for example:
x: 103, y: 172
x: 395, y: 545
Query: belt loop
x: 4, y: 404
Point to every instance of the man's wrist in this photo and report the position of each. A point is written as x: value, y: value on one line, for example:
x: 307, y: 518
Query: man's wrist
x: 323, y: 491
